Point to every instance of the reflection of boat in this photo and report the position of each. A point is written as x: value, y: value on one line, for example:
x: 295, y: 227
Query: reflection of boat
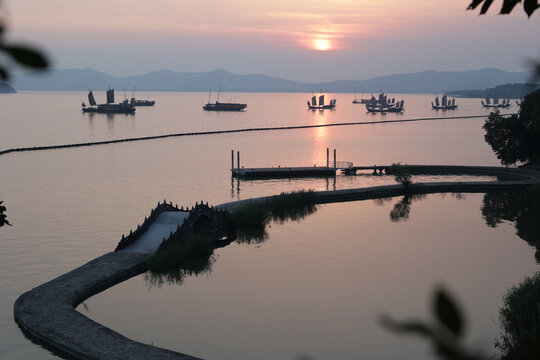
x: 496, y: 105
x: 125, y: 107
x: 313, y: 105
x: 383, y: 104
x: 446, y: 104
x: 218, y: 106
x: 362, y: 99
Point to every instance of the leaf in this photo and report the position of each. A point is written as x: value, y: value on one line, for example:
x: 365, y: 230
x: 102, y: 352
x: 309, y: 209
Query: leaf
x: 530, y: 6
x: 486, y: 6
x: 26, y: 56
x: 447, y: 312
x: 3, y: 74
x: 508, y: 6
x: 414, y: 327
x: 474, y: 4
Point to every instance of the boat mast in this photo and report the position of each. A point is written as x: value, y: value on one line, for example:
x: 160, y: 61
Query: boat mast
x: 209, y: 94
x: 219, y: 93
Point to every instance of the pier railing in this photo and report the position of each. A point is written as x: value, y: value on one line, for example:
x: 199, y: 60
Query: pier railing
x: 342, y: 164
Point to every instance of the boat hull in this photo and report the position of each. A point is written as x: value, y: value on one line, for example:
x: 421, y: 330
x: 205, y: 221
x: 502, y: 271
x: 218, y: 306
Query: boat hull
x: 384, y: 110
x: 448, y: 107
x: 496, y: 106
x: 224, y: 107
x: 324, y: 107
x: 145, y: 102
x: 109, y: 109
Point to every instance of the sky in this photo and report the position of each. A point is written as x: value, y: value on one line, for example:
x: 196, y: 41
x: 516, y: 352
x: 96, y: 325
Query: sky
x: 303, y: 40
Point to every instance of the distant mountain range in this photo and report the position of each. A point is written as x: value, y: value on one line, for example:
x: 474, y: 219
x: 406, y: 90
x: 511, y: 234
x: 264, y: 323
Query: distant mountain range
x: 509, y: 91
x: 165, y: 80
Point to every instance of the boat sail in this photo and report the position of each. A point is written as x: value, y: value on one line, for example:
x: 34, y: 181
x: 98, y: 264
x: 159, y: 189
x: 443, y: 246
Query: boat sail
x: 496, y: 105
x: 313, y: 105
x: 110, y: 96
x: 445, y: 104
x: 91, y: 99
x: 382, y: 104
x: 110, y: 107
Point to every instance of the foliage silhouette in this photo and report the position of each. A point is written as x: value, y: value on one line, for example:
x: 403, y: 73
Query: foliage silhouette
x: 529, y: 6
x: 402, y: 208
x: 522, y: 208
x: 3, y: 218
x: 192, y: 253
x: 515, y: 138
x: 520, y: 321
x: 249, y: 221
x: 191, y: 256
x: 445, y: 331
x: 402, y: 174
x: 20, y: 54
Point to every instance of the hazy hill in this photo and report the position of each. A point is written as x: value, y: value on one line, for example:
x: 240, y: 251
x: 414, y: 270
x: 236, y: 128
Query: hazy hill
x: 166, y: 80
x: 6, y: 88
x: 510, y: 91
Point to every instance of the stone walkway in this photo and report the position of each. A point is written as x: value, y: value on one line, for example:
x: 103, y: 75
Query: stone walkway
x: 162, y: 227
x: 47, y: 314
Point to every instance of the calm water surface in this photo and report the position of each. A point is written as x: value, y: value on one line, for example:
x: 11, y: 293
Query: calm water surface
x: 70, y: 206
x: 316, y: 287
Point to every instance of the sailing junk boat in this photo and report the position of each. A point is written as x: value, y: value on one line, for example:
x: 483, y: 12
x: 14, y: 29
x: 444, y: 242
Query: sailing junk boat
x: 362, y: 99
x: 446, y: 103
x: 219, y: 106
x: 313, y: 105
x: 110, y: 107
x: 504, y: 104
x: 144, y: 102
x: 383, y: 104
x: 141, y: 102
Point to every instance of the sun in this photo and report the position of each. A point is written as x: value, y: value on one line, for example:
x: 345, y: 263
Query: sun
x: 321, y: 44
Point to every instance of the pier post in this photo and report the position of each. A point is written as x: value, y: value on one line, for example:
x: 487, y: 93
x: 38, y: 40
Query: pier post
x: 232, y: 159
x: 327, y: 157
x: 238, y: 159
x: 334, y: 158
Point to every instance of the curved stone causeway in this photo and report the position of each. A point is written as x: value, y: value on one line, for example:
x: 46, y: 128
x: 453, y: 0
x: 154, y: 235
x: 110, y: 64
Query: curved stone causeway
x: 47, y: 315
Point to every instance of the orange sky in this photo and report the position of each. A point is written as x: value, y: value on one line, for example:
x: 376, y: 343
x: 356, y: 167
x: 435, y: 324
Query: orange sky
x: 281, y: 27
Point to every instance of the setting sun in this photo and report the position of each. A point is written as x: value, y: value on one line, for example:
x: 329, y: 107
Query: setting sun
x: 321, y: 44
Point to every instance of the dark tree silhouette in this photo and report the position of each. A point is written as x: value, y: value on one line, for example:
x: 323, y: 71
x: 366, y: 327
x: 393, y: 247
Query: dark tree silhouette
x: 515, y: 138
x: 3, y: 219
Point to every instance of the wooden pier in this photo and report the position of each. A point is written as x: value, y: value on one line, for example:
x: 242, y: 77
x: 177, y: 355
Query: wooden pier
x: 284, y: 172
x: 347, y: 168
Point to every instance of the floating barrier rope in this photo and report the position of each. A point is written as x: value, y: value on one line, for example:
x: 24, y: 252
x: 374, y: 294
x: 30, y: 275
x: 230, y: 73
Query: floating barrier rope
x: 199, y: 133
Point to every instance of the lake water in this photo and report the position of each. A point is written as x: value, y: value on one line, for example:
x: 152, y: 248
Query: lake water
x: 341, y: 266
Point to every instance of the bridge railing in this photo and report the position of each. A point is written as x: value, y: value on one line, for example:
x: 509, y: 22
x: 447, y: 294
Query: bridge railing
x: 342, y: 164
